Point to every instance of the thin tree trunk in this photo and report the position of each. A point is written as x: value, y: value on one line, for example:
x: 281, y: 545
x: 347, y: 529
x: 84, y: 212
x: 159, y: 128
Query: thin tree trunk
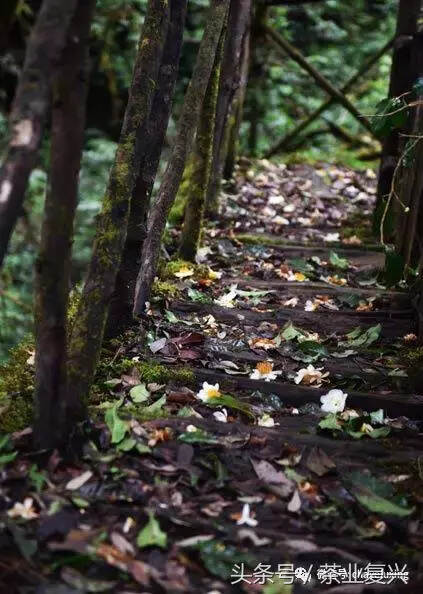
x: 56, y: 411
x: 230, y: 80
x: 121, y: 306
x: 202, y: 156
x: 238, y: 110
x: 29, y: 110
x: 282, y: 44
x: 7, y: 16
x: 400, y: 82
x: 188, y: 123
x: 88, y: 328
x: 286, y: 142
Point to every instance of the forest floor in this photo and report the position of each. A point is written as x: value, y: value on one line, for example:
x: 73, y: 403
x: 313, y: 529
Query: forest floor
x: 248, y: 485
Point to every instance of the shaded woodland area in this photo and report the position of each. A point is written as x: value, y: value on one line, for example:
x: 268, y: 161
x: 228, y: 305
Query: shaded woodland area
x: 211, y: 306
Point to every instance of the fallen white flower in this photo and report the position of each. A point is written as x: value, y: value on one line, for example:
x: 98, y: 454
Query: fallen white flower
x: 293, y: 302
x: 208, y: 392
x: 246, y: 517
x: 227, y: 299
x: 23, y: 510
x: 333, y: 401
x: 329, y: 237
x: 191, y: 429
x: 310, y: 306
x: 264, y: 371
x: 78, y: 481
x: 266, y: 421
x: 310, y: 375
x: 221, y: 415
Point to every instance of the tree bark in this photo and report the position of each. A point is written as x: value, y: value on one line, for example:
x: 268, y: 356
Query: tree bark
x: 282, y: 44
x: 188, y: 123
x: 56, y: 410
x: 7, y: 15
x: 201, y: 163
x: 230, y: 80
x: 29, y: 110
x: 238, y: 110
x: 88, y: 328
x: 286, y: 142
x: 401, y: 80
x: 121, y: 306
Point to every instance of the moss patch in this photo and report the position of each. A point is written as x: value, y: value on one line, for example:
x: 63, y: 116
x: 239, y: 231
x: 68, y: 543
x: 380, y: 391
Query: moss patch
x: 164, y: 290
x: 167, y: 271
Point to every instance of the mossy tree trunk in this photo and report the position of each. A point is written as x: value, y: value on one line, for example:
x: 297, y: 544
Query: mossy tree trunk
x: 232, y: 144
x: 187, y: 126
x: 230, y: 81
x: 201, y: 163
x: 121, y: 306
x: 401, y: 79
x: 88, y: 328
x: 55, y: 409
x: 30, y: 109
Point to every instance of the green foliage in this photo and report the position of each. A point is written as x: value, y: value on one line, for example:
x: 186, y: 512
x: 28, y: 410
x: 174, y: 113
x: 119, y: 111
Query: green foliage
x: 390, y: 114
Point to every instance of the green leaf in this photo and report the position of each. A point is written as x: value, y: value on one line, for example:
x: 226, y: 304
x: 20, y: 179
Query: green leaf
x: 6, y: 458
x: 231, y: 402
x: 199, y: 436
x: 220, y: 558
x: 330, y: 422
x: 290, y: 332
x: 170, y: 317
x: 300, y: 265
x: 377, y: 416
x: 373, y: 494
x: 337, y: 261
x: 196, y: 295
x: 311, y: 351
x: 118, y: 427
x: 37, y: 478
x: 127, y: 444
x: 156, y: 406
x: 139, y: 393
x: 152, y: 535
x: 363, y: 338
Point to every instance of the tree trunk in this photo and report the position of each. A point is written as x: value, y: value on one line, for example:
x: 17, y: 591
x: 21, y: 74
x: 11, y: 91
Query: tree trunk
x: 7, y: 16
x: 56, y: 410
x: 29, y: 110
x: 256, y: 71
x: 202, y: 156
x: 230, y: 81
x: 121, y: 306
x: 188, y: 123
x: 238, y: 110
x: 88, y: 328
x: 400, y: 82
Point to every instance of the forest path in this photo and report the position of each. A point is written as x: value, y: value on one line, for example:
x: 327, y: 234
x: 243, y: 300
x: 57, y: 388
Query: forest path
x: 258, y: 489
x: 297, y: 281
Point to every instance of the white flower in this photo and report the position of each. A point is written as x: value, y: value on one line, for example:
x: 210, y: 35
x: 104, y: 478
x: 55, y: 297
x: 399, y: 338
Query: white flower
x: 221, y: 415
x: 208, y: 392
x: 266, y: 421
x: 310, y: 375
x: 264, y: 370
x: 191, y: 429
x: 329, y: 237
x: 226, y: 300
x: 293, y: 302
x: 333, y: 401
x: 246, y: 518
x: 310, y: 305
x: 23, y: 510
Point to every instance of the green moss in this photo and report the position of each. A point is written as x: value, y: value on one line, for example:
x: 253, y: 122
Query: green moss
x: 176, y: 214
x: 155, y: 373
x: 16, y: 387
x: 413, y: 357
x: 16, y: 413
x: 164, y: 290
x: 167, y: 271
